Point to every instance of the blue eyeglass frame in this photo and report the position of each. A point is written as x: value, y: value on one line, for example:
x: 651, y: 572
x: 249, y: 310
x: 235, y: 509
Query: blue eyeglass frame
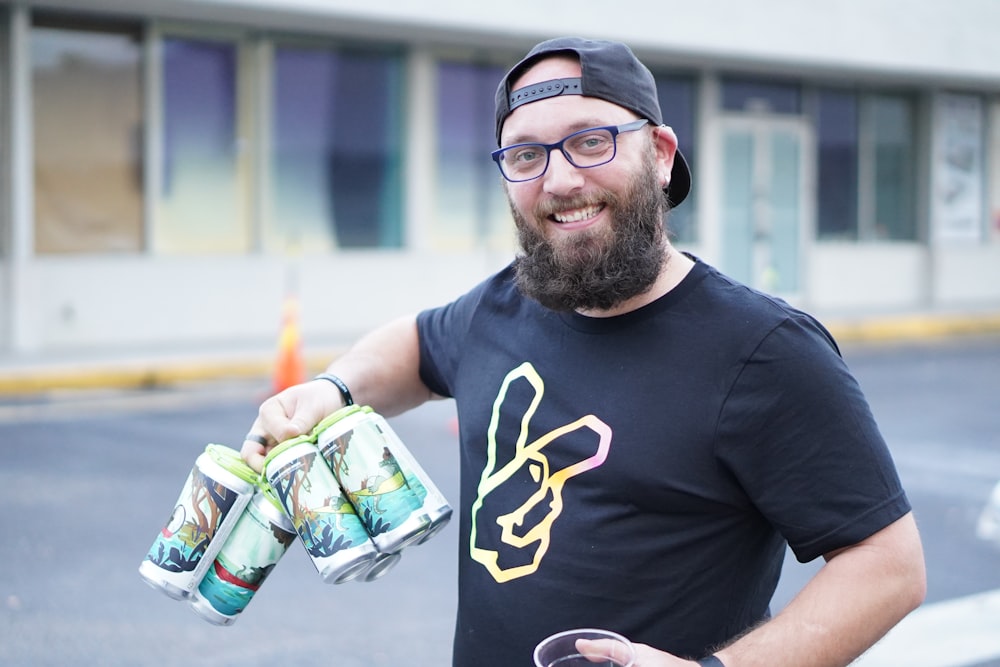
x: 615, y: 130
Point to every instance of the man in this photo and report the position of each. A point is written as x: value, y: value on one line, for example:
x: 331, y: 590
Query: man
x: 640, y: 435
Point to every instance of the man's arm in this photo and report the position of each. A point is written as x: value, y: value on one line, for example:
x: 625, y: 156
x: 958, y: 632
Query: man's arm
x: 381, y: 370
x: 860, y: 594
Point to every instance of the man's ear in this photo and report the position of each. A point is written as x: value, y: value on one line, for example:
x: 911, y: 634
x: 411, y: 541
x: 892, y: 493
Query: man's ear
x: 665, y: 143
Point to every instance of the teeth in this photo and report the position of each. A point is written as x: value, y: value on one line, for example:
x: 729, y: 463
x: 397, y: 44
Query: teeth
x: 577, y: 215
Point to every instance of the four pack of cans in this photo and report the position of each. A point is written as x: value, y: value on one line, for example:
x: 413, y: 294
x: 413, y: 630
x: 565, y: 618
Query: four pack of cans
x: 350, y: 490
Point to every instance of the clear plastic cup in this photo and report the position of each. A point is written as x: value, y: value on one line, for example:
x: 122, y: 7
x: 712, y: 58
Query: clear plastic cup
x: 560, y: 650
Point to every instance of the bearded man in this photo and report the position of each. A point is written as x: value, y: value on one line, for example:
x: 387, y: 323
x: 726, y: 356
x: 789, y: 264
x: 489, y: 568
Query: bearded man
x: 641, y: 436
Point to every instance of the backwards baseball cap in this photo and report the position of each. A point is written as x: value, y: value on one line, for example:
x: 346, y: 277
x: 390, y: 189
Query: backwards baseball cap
x: 611, y: 72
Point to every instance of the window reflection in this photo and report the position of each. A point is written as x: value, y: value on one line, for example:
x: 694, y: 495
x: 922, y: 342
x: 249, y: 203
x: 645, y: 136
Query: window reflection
x: 337, y: 149
x: 471, y: 208
x: 677, y: 96
x: 894, y: 156
x: 760, y: 95
x: 87, y: 115
x: 866, y: 176
x: 202, y: 205
x: 837, y: 134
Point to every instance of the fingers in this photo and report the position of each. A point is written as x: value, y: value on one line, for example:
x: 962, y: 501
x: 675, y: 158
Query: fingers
x: 287, y: 415
x: 278, y: 417
x: 253, y: 452
x: 600, y: 650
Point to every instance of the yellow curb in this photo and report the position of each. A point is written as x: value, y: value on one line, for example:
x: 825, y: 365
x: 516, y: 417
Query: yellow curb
x: 915, y: 327
x: 133, y: 375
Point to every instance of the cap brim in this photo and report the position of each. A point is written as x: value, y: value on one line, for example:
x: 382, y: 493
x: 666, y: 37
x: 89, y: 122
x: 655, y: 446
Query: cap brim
x: 680, y: 180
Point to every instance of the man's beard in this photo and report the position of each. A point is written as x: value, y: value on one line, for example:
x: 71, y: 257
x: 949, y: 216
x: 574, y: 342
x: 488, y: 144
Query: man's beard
x: 595, y: 270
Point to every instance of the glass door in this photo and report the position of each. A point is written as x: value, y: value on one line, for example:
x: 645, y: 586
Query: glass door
x: 764, y: 216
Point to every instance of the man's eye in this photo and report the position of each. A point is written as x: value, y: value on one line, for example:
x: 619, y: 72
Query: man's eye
x: 527, y: 155
x: 591, y: 143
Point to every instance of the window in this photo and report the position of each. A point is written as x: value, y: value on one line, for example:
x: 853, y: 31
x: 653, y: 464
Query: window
x: 866, y: 175
x: 471, y: 209
x: 742, y: 94
x: 87, y: 115
x: 837, y: 173
x: 336, y: 172
x: 678, y: 100
x: 203, y: 202
x: 993, y: 160
x: 5, y: 150
x: 893, y: 179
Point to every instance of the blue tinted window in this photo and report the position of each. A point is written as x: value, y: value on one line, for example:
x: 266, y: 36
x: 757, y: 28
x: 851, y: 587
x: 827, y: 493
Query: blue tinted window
x: 678, y: 103
x: 471, y: 209
x: 742, y: 94
x: 202, y: 205
x: 837, y: 169
x: 337, y: 148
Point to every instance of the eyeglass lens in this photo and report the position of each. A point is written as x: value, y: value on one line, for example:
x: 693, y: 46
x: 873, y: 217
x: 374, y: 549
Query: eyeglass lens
x: 588, y: 148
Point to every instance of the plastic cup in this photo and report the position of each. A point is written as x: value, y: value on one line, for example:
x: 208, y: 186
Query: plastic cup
x: 559, y: 650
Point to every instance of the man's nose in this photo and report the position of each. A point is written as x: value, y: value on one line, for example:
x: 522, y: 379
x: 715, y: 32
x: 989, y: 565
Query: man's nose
x: 561, y: 177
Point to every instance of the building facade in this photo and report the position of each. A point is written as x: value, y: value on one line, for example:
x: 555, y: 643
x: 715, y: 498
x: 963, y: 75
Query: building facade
x: 172, y: 170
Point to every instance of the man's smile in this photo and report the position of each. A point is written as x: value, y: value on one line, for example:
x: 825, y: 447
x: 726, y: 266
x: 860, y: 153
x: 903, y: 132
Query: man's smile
x: 584, y: 214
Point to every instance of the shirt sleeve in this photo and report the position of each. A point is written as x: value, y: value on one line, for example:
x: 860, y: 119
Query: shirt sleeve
x: 798, y: 434
x: 442, y: 332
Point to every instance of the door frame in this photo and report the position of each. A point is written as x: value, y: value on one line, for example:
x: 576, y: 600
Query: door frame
x: 762, y: 125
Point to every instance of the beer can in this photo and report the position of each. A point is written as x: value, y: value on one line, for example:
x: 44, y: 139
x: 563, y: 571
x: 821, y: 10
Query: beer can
x: 433, y: 503
x: 324, y: 519
x: 382, y: 564
x: 258, y: 541
x: 355, y: 447
x: 213, y: 497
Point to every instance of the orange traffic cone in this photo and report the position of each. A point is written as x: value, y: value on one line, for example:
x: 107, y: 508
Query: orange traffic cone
x: 289, y: 369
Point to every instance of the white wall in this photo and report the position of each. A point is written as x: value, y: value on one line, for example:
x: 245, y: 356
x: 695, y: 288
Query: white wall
x: 966, y: 273
x: 890, y: 36
x: 109, y: 302
x: 845, y: 276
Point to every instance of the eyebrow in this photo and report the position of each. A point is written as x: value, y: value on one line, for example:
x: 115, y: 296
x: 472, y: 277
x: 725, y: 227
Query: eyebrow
x: 575, y: 127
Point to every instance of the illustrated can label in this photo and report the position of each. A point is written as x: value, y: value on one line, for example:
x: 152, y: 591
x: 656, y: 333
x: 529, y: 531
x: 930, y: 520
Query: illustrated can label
x: 323, y: 518
x: 433, y: 503
x: 257, y: 542
x: 362, y: 459
x: 210, y: 502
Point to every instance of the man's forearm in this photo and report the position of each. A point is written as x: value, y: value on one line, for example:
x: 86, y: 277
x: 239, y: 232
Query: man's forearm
x: 858, y: 596
x: 383, y: 368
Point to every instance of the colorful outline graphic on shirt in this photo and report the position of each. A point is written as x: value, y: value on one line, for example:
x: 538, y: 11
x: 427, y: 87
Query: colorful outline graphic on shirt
x: 531, y: 455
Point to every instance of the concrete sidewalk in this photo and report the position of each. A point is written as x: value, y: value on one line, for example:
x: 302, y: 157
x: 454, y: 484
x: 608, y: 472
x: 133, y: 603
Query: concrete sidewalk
x: 27, y: 375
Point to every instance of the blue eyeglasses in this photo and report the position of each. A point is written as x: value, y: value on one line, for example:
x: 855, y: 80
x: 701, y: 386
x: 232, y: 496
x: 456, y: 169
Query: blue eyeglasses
x: 584, y: 149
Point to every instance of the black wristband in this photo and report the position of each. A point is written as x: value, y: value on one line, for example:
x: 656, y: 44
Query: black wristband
x: 711, y: 661
x: 339, y: 384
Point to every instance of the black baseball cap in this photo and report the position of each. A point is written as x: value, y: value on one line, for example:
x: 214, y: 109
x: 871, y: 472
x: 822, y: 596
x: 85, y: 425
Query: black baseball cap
x: 611, y: 72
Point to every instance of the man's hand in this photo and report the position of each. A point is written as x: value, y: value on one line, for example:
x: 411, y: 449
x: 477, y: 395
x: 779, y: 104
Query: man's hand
x: 598, y: 650
x: 284, y: 416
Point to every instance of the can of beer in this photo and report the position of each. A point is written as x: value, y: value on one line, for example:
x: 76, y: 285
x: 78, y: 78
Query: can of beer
x: 324, y: 519
x: 258, y: 541
x: 433, y: 503
x: 382, y: 564
x: 359, y: 454
x: 214, y: 496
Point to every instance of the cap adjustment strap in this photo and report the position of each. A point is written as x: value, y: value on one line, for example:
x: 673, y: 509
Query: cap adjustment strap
x: 544, y: 89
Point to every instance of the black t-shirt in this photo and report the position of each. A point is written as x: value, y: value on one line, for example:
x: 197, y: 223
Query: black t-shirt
x: 642, y: 473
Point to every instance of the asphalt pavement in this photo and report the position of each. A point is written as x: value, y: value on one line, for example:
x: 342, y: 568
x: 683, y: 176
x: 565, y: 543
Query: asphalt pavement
x: 89, y: 476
